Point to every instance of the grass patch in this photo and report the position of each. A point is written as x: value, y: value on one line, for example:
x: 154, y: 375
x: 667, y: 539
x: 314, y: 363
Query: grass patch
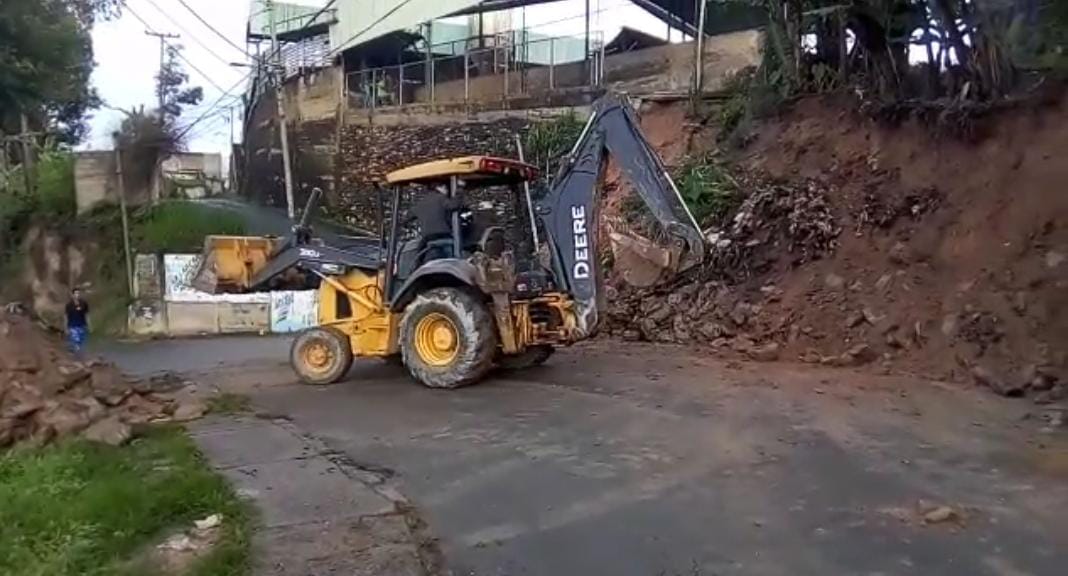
x: 180, y: 226
x: 229, y: 403
x: 79, y: 508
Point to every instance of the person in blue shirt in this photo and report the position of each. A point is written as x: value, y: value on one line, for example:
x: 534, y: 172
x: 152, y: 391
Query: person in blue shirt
x: 77, y: 321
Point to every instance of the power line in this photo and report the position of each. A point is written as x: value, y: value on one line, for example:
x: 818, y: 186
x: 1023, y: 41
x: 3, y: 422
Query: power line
x: 212, y: 28
x: 212, y: 107
x: 188, y: 33
x: 178, y: 53
x: 368, y: 27
x: 212, y: 126
x: 203, y: 116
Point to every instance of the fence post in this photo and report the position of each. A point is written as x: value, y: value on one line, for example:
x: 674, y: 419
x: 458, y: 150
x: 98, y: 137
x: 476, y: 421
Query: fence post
x: 507, y: 49
x: 374, y: 89
x: 432, y: 81
x: 600, y: 68
x: 552, y: 63
x: 400, y: 85
x: 467, y: 75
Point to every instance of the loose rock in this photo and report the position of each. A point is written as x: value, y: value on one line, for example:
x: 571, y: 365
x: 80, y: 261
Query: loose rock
x: 111, y: 431
x: 190, y: 410
x: 995, y: 382
x: 765, y: 353
x: 939, y: 515
x: 899, y: 253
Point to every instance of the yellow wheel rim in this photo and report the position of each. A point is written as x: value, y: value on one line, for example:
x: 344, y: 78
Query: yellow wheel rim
x: 317, y: 357
x: 436, y: 339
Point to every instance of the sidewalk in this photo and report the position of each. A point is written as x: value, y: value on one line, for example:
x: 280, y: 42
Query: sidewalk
x: 318, y: 514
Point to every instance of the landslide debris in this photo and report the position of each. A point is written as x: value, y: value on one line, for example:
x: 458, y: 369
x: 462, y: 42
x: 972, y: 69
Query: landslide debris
x: 865, y: 245
x: 46, y: 393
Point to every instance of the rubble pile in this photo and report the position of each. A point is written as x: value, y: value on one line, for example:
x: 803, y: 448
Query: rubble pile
x: 777, y: 217
x: 778, y: 220
x: 46, y: 393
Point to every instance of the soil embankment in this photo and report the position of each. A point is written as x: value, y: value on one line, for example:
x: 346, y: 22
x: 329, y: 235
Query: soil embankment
x: 866, y: 244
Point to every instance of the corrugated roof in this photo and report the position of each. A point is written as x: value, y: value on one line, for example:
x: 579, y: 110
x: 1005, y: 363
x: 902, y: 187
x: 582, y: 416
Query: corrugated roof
x: 363, y: 20
x: 292, y: 21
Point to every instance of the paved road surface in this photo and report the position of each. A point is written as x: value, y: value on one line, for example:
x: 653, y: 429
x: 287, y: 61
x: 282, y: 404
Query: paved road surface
x: 638, y: 460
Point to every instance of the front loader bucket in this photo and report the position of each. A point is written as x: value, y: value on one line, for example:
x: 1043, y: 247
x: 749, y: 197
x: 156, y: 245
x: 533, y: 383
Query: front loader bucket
x: 641, y: 262
x: 228, y: 263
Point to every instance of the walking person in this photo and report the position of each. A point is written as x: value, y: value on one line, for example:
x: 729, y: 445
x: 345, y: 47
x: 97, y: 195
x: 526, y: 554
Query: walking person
x: 77, y: 321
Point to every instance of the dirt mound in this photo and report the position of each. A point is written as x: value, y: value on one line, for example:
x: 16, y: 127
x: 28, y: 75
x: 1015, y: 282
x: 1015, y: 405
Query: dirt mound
x: 936, y: 257
x: 46, y: 393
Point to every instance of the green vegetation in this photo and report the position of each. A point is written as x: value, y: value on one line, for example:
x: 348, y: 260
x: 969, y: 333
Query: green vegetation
x: 79, y: 508
x: 180, y: 226
x: 53, y: 201
x: 708, y: 189
x: 546, y: 142
x: 46, y: 64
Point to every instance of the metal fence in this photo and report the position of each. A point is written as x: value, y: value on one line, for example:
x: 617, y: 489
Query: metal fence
x: 507, y: 69
x: 307, y: 53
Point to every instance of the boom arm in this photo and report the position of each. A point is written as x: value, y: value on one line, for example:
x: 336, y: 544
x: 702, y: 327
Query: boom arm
x: 570, y: 209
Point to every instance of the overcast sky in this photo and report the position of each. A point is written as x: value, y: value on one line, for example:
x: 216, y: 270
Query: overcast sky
x: 128, y: 59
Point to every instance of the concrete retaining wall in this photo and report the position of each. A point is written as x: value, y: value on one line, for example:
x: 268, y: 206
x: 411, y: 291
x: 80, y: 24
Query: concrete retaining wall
x: 192, y: 318
x: 177, y: 309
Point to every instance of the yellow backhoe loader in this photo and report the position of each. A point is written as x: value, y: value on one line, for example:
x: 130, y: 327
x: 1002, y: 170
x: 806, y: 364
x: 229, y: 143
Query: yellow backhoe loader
x: 452, y: 308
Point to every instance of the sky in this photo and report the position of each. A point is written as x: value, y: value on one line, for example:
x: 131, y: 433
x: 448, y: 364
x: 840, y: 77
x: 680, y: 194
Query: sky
x: 128, y: 59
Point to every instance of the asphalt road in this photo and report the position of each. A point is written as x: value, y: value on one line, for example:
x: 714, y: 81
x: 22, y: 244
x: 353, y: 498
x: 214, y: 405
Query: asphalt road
x: 624, y: 459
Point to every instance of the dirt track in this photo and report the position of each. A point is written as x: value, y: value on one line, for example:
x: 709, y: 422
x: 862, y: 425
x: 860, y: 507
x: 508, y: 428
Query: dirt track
x: 628, y: 459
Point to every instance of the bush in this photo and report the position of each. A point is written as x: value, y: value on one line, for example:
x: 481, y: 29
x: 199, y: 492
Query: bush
x: 547, y: 142
x: 708, y: 189
x: 55, y: 186
x: 54, y: 200
x: 181, y: 227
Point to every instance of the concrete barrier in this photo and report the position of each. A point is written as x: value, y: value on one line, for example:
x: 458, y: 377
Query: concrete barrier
x: 192, y: 318
x: 147, y: 318
x: 180, y: 310
x: 237, y: 317
x: 293, y: 311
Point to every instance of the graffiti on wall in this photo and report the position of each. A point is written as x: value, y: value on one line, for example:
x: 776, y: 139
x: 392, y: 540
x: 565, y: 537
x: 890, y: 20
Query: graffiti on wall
x: 293, y: 311
x: 178, y: 271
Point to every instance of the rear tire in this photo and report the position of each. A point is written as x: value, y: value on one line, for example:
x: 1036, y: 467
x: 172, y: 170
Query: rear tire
x: 321, y: 356
x: 447, y: 338
x: 533, y: 356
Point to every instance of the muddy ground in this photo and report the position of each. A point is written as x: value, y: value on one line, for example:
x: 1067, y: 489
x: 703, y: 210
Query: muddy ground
x: 621, y: 458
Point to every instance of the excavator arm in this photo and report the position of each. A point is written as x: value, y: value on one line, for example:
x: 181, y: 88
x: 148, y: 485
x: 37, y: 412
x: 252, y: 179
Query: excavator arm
x: 570, y: 210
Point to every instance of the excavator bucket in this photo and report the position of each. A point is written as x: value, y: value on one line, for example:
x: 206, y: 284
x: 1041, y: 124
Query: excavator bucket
x: 640, y: 261
x: 228, y: 263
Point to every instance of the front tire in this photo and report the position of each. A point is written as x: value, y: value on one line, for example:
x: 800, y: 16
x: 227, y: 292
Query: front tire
x: 447, y: 338
x: 321, y: 356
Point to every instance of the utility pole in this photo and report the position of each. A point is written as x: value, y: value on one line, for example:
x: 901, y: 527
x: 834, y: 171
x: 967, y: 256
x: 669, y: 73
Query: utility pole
x: 157, y: 180
x: 125, y: 219
x: 699, y: 56
x: 283, y: 130
x: 163, y: 37
x: 587, y: 31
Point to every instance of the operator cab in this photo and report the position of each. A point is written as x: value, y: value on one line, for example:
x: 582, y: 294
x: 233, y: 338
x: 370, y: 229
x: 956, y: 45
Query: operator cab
x: 490, y: 199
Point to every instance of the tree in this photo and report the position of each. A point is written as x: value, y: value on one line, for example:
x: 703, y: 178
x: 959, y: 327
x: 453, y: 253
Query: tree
x: 815, y: 45
x: 145, y: 138
x: 171, y: 87
x: 46, y: 59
